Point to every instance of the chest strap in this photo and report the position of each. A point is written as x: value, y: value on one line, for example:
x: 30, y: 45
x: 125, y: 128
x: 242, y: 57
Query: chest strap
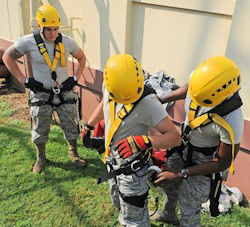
x: 59, y: 52
x: 206, y: 118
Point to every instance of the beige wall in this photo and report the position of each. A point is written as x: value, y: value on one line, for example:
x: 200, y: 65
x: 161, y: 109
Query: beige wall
x: 162, y: 34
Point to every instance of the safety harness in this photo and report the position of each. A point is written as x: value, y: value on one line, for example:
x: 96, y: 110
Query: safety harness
x: 122, y: 114
x: 59, y: 53
x: 140, y: 159
x: 214, y: 115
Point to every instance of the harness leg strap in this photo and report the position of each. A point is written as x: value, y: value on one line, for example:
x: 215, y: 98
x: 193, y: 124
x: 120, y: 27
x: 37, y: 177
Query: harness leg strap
x: 138, y: 201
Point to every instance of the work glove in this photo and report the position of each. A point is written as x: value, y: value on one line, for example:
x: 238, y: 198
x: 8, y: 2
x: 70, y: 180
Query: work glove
x: 133, y: 144
x: 32, y: 84
x: 69, y: 83
x: 92, y: 142
x: 85, y: 135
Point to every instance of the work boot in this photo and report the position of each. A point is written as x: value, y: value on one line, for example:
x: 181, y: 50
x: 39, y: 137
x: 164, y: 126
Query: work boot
x: 168, y: 213
x: 40, y: 158
x: 73, y: 155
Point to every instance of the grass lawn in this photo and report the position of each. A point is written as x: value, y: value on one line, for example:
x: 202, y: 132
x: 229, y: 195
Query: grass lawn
x: 61, y: 195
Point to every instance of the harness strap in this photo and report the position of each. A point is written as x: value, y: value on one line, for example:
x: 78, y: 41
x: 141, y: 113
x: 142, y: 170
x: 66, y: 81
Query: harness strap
x: 207, y: 118
x: 115, y: 123
x: 127, y: 169
x: 59, y: 52
x: 138, y: 201
x: 122, y: 114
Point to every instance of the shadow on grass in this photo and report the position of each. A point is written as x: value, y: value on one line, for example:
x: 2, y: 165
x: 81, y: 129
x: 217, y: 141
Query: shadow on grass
x: 26, y: 183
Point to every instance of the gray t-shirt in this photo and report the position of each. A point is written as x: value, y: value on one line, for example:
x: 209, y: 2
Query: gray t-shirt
x: 147, y: 114
x: 40, y: 69
x: 211, y: 134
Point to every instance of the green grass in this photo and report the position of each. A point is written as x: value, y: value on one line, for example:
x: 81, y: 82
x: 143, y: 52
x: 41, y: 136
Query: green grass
x: 61, y: 195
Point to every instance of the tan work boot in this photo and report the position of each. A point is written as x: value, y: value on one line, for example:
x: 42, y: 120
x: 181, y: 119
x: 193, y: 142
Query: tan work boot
x: 167, y: 214
x: 73, y: 155
x: 40, y: 158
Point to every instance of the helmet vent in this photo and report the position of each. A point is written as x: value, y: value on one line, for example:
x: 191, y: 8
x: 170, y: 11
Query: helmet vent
x: 44, y: 20
x: 139, y: 90
x: 238, y: 81
x: 207, y: 101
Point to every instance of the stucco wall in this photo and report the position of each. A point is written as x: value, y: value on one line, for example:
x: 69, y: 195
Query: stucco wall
x: 162, y: 34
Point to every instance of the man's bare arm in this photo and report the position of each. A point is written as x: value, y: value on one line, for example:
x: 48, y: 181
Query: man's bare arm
x: 9, y: 58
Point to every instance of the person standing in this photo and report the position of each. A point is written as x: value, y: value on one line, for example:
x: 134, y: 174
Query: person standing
x: 129, y: 109
x: 50, y: 87
x: 212, y: 131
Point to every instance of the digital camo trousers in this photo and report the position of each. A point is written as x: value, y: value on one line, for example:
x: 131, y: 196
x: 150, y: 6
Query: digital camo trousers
x: 42, y: 116
x: 130, y: 185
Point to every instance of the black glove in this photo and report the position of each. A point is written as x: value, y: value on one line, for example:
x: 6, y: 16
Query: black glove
x: 86, y: 141
x: 69, y: 83
x: 32, y: 84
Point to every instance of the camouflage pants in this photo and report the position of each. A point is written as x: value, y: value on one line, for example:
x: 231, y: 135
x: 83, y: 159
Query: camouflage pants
x: 191, y: 192
x: 195, y: 191
x: 42, y: 116
x: 130, y: 185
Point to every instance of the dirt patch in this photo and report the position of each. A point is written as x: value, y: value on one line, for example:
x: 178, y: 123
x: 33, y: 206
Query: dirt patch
x: 18, y: 101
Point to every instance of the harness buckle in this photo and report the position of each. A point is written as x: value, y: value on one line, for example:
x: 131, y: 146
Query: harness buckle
x: 132, y: 166
x: 56, y: 90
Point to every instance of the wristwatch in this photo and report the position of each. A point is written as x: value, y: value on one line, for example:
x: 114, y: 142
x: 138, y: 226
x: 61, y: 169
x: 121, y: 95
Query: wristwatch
x: 184, y: 174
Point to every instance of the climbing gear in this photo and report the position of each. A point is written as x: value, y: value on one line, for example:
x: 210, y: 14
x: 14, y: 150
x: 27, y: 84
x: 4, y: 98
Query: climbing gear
x: 40, y: 158
x: 73, y: 155
x: 151, y: 177
x: 131, y: 167
x: 215, y: 115
x: 123, y: 78
x: 122, y: 114
x: 47, y: 16
x: 162, y: 83
x: 59, y: 52
x: 213, y: 81
x: 138, y: 201
x: 215, y: 190
x: 133, y: 144
x: 31, y: 83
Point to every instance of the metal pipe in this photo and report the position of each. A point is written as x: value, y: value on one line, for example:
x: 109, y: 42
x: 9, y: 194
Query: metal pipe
x: 34, y: 4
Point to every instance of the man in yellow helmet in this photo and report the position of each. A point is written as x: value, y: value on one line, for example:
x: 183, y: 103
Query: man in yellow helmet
x: 129, y: 110
x: 212, y: 131
x: 50, y: 87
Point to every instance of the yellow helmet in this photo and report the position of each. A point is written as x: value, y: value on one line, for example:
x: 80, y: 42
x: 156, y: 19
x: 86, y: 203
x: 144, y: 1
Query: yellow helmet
x: 213, y: 81
x: 123, y: 78
x: 47, y: 16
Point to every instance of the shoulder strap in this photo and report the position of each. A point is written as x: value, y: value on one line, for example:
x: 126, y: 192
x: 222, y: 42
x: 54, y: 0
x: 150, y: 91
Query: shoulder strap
x: 59, y: 50
x: 223, y: 109
x: 216, y: 115
x: 122, y: 114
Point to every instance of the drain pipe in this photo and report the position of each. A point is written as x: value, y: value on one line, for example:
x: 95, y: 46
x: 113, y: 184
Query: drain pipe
x: 24, y: 16
x: 34, y: 4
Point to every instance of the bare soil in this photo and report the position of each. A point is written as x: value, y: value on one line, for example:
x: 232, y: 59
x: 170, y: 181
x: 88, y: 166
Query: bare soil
x: 18, y: 100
